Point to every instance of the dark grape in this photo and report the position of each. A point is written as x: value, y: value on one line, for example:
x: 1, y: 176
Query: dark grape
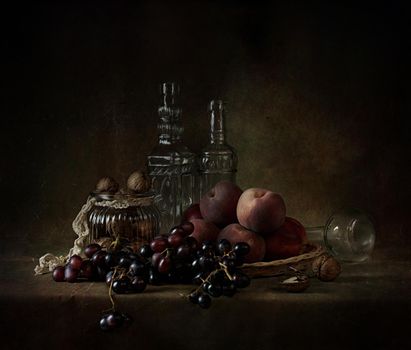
x: 204, y: 301
x: 98, y: 258
x: 187, y: 227
x: 207, y: 246
x: 87, y: 269
x: 176, y: 239
x: 206, y: 263
x: 218, y: 277
x: 138, y: 284
x: 109, y: 277
x: 134, y: 257
x: 215, y: 290
x: 124, y: 262
x: 229, y: 289
x: 224, y: 246
x: 111, y: 259
x: 177, y: 229
x: 229, y: 262
x: 75, y: 262
x: 137, y: 268
x: 154, y: 278
x: 103, y: 324
x: 183, y: 251
x: 127, y: 250
x: 192, y: 242
x: 100, y: 273
x: 114, y: 320
x: 156, y: 259
x: 121, y: 285
x: 164, y: 265
x: 146, y: 251
x: 205, y: 286
x: 193, y: 296
x: 195, y: 265
x: 159, y: 245
x: 240, y: 279
x: 91, y: 249
x: 198, y: 279
x: 58, y: 274
x: 70, y: 274
x: 241, y: 249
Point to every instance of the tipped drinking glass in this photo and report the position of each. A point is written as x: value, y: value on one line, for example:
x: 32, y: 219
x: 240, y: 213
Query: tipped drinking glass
x: 349, y: 235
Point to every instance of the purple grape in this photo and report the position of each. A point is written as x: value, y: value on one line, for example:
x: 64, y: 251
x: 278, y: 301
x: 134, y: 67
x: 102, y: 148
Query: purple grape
x: 70, y: 274
x: 75, y: 262
x: 164, y: 265
x: 58, y: 274
x: 91, y: 249
x: 87, y: 269
x: 138, y: 284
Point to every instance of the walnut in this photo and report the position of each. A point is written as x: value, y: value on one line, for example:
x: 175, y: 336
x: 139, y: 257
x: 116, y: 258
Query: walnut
x: 326, y: 268
x: 296, y: 284
x: 107, y: 184
x: 139, y: 182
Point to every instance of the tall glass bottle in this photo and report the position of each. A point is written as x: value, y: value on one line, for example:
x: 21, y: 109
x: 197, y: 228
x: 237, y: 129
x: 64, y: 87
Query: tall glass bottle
x: 218, y: 160
x: 171, y: 164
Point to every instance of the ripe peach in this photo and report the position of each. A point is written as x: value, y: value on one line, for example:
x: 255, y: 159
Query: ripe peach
x: 204, y: 230
x: 219, y: 205
x: 261, y: 210
x: 192, y: 212
x: 235, y: 233
x: 287, y: 241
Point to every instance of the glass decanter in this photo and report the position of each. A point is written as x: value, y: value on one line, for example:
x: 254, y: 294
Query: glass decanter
x: 348, y: 234
x: 171, y: 165
x: 218, y: 160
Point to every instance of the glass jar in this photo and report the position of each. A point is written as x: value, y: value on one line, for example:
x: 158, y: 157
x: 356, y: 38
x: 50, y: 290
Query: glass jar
x: 133, y: 218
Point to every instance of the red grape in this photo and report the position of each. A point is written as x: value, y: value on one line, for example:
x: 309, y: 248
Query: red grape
x: 187, y: 227
x: 87, y: 269
x: 75, y: 262
x: 91, y: 249
x: 164, y: 265
x: 155, y: 259
x: 176, y: 239
x: 70, y: 274
x: 58, y: 274
x: 158, y: 245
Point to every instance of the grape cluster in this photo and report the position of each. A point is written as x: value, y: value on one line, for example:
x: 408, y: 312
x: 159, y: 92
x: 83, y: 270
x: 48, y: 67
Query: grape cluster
x: 216, y: 271
x: 173, y: 258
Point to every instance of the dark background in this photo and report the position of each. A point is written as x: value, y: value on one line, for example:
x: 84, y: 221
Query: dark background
x: 317, y: 97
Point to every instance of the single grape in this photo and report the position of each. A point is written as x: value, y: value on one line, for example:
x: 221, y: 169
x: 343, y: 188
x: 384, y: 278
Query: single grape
x: 111, y: 259
x: 241, y: 249
x: 114, y: 320
x: 215, y: 290
x: 98, y: 258
x: 187, y: 227
x: 75, y: 262
x: 58, y: 273
x: 138, y: 284
x: 206, y: 263
x: 154, y: 277
x: 137, y: 268
x: 87, y: 269
x: 100, y: 273
x: 224, y: 246
x: 240, y: 279
x: 176, y: 239
x: 229, y: 262
x: 159, y: 245
x: 91, y: 249
x: 164, y: 265
x: 177, y: 229
x: 146, y: 251
x: 121, y: 285
x: 229, y: 289
x: 218, y: 277
x: 109, y: 277
x: 199, y: 278
x: 183, y: 251
x: 193, y: 296
x: 207, y: 246
x: 155, y: 259
x: 70, y: 274
x: 195, y: 265
x: 192, y: 242
x: 124, y: 262
x: 204, y: 301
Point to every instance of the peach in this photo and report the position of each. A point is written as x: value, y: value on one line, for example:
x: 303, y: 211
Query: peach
x: 235, y: 233
x: 287, y: 241
x: 261, y: 210
x: 204, y: 230
x: 191, y: 212
x: 219, y: 205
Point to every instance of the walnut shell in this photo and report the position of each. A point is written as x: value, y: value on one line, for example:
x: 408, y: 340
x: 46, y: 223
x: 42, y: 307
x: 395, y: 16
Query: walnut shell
x: 138, y: 182
x: 326, y: 268
x: 107, y: 184
x: 296, y: 284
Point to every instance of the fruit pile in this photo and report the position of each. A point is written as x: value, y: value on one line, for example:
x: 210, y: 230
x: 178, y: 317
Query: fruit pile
x: 256, y: 216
